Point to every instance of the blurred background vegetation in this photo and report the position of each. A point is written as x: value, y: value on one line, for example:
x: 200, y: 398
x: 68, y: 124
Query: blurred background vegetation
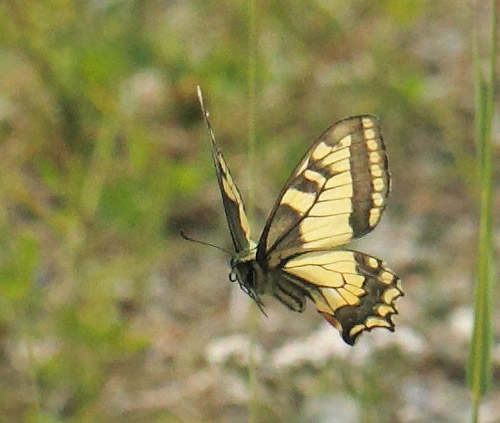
x: 107, y: 315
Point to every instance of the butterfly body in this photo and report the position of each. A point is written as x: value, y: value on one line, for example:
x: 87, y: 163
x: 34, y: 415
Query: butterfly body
x: 336, y: 193
x: 258, y: 281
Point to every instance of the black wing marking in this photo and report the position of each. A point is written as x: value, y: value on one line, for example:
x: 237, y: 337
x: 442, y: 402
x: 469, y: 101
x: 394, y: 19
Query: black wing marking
x: 231, y: 197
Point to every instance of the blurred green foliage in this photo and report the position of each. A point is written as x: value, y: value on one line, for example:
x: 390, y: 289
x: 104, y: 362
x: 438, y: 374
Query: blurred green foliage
x: 104, y: 158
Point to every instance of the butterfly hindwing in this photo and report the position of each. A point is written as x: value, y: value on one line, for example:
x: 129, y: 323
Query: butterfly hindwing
x: 355, y: 292
x: 336, y: 193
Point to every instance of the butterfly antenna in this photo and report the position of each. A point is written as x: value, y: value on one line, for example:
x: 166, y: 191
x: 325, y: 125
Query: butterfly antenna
x: 187, y: 238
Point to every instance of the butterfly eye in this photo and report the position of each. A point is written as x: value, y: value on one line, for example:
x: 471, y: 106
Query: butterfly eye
x: 233, y: 277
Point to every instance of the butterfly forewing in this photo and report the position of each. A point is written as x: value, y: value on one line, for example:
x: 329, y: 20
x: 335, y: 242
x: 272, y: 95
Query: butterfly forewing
x: 337, y: 192
x: 355, y: 292
x: 231, y: 198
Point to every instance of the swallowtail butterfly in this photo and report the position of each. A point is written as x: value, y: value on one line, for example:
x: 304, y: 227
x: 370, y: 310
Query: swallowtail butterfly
x: 336, y: 193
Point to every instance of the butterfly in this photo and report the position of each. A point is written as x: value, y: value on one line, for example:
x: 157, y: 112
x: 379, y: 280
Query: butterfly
x: 336, y: 193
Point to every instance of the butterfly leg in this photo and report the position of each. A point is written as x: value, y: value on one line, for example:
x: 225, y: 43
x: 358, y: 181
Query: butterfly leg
x: 290, y: 294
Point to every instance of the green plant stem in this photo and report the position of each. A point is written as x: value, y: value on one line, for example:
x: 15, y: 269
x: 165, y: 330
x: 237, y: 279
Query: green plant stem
x: 252, y: 94
x: 479, y: 366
